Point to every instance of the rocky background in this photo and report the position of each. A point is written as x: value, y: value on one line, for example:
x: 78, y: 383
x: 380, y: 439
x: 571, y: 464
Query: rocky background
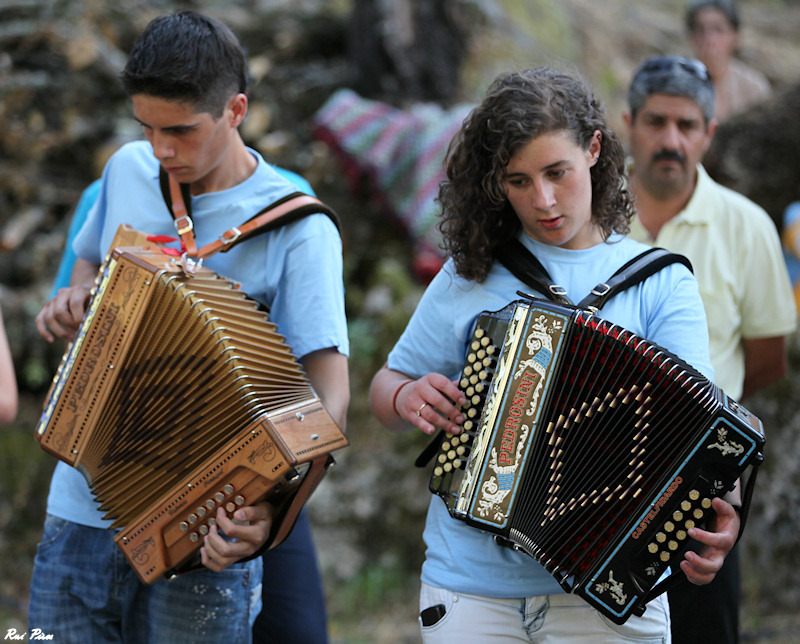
x: 62, y: 113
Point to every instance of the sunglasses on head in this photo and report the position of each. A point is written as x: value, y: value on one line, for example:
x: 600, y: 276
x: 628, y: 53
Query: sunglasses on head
x: 668, y: 63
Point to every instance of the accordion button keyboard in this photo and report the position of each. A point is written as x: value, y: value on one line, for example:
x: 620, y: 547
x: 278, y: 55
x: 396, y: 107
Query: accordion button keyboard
x: 476, y: 374
x: 184, y: 526
x: 201, y: 511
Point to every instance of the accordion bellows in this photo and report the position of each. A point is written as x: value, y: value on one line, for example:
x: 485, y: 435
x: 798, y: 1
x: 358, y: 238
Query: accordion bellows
x: 179, y: 396
x: 590, y: 449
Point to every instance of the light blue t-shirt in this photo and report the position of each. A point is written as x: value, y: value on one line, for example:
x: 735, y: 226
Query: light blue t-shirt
x: 666, y: 309
x: 296, y: 270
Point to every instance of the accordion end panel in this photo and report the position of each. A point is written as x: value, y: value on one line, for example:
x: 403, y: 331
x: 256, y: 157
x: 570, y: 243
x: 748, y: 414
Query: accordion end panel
x: 80, y: 386
x: 270, y: 460
x: 658, y: 538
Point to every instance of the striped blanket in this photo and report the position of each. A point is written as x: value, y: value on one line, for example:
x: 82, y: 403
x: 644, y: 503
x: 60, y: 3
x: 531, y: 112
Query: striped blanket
x: 400, y: 154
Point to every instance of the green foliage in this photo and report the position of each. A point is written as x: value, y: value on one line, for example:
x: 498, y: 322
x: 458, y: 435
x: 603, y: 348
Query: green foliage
x: 372, y: 590
x: 25, y: 471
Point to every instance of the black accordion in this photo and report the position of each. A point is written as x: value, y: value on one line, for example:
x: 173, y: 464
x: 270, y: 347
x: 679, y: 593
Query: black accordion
x: 590, y: 449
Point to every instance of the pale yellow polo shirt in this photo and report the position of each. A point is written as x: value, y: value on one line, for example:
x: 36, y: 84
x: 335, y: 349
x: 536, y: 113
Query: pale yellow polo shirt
x: 736, y: 255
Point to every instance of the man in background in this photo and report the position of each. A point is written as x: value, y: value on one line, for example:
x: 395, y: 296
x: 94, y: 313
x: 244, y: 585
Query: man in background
x: 736, y: 254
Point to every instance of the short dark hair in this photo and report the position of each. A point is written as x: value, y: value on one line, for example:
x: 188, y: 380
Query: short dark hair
x: 727, y: 7
x: 186, y: 56
x: 477, y: 217
x: 674, y: 76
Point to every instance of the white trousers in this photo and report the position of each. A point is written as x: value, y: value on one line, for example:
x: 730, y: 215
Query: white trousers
x: 548, y: 619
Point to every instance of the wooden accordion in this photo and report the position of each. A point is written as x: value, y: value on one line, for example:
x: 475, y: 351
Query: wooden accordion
x: 590, y: 449
x: 178, y: 396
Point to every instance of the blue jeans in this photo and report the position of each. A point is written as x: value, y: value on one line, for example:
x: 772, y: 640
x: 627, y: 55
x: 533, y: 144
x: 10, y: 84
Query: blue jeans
x: 547, y: 619
x: 83, y: 590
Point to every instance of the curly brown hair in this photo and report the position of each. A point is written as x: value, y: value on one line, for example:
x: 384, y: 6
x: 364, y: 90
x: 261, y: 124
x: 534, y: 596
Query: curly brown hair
x: 476, y: 215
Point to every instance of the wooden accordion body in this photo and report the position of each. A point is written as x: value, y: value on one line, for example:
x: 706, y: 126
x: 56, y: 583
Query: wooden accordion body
x: 179, y: 396
x: 590, y: 449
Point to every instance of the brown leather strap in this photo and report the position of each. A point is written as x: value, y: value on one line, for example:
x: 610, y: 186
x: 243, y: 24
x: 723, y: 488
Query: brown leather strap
x: 183, y: 222
x: 284, y: 524
x: 296, y: 206
x: 260, y: 221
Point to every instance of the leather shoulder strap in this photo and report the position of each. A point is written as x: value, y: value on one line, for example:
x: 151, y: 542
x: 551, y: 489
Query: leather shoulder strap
x: 526, y: 267
x: 633, y: 272
x: 284, y: 211
x: 164, y: 183
x: 280, y: 213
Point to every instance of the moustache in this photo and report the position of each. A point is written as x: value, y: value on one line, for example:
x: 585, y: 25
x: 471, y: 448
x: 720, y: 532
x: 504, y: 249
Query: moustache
x: 669, y: 155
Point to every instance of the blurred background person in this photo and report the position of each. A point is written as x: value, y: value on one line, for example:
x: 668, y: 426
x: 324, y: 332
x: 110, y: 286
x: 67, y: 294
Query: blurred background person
x: 713, y: 27
x: 8, y: 380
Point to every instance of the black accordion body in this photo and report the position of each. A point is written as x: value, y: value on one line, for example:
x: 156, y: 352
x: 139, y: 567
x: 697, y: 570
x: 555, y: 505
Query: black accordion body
x: 590, y: 449
x: 177, y: 397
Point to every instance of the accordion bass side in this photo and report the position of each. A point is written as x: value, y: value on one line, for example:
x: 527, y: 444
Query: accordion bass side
x: 179, y: 396
x: 590, y: 449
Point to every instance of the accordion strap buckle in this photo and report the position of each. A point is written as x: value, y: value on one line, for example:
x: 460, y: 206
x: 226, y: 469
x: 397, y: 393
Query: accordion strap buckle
x: 230, y: 236
x: 601, y: 289
x: 184, y: 225
x: 559, y: 294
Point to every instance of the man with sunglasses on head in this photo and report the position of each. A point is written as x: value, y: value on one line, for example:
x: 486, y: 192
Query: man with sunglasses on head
x: 735, y: 251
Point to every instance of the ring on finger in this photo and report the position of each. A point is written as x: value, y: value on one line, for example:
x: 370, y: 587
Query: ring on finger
x: 421, y: 407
